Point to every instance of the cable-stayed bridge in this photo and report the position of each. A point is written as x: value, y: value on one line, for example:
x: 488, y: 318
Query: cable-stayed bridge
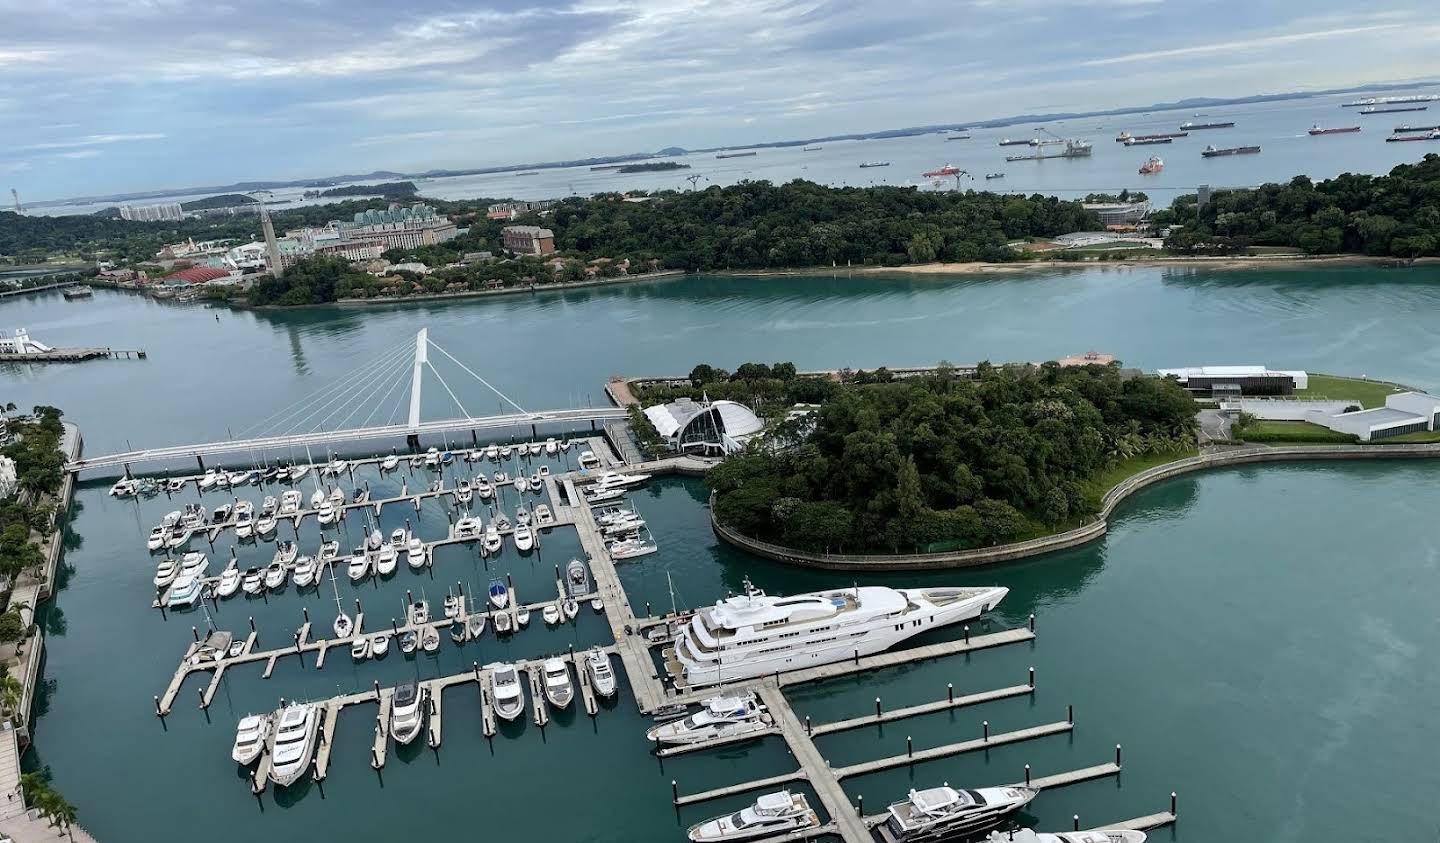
x: 350, y: 409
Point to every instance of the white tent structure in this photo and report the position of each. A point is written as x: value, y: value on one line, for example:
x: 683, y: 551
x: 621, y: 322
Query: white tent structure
x: 707, y: 427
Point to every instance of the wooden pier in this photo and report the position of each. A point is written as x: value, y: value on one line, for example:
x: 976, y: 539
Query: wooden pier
x: 74, y: 355
x: 951, y: 702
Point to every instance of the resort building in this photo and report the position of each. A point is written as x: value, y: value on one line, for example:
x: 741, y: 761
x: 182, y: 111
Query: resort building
x: 1404, y: 412
x: 705, y: 427
x: 397, y: 227
x: 164, y: 212
x: 511, y: 210
x: 1234, y: 381
x: 1119, y: 213
x: 527, y: 239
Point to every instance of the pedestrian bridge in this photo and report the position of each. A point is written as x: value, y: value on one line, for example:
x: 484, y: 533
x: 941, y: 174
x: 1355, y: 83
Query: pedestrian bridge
x: 370, y: 388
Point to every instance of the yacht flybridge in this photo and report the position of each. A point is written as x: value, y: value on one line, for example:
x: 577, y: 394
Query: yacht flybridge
x: 720, y: 718
x: 754, y: 634
x: 941, y: 813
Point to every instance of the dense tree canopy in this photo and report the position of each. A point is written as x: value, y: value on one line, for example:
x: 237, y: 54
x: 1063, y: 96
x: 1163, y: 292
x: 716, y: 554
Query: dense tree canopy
x: 1396, y: 215
x: 948, y: 461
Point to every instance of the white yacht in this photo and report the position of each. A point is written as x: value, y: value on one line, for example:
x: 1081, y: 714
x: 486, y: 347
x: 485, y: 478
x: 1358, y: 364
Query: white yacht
x: 415, y: 555
x: 385, y: 560
x: 1097, y: 835
x: 613, y: 480
x: 166, y: 572
x: 390, y: 463
x: 943, y: 812
x: 307, y: 571
x: 588, y: 460
x: 244, y: 515
x: 753, y: 634
x: 265, y: 525
x: 602, y: 675
x: 253, y: 581
x: 209, y: 480
x: 158, y: 535
x: 524, y: 537
x: 558, y: 689
x: 318, y: 497
x: 631, y: 548
x: 250, y: 738
x: 493, y: 542
x: 295, y: 730
x: 719, y: 717
x: 406, y: 716
x: 467, y: 528
x: 359, y: 567
x: 194, y: 564
x: 229, y: 581
x: 290, y: 501
x: 325, y: 513
x: 772, y: 815
x: 275, y: 574
x: 551, y: 447
x: 464, y: 493
x: 185, y: 592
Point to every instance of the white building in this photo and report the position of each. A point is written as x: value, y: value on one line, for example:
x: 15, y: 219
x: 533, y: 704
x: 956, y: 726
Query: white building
x: 1237, y: 380
x: 709, y: 427
x: 164, y: 212
x: 9, y: 480
x: 1404, y: 412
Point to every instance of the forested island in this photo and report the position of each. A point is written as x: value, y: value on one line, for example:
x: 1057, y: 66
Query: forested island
x: 943, y: 461
x: 388, y: 190
x: 1396, y: 215
x: 655, y: 167
x: 224, y: 200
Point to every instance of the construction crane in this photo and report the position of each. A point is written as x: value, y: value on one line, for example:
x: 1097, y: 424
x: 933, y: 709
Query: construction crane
x: 1053, y: 139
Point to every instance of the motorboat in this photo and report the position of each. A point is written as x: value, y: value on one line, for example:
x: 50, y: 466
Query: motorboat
x: 505, y: 452
x: 414, y: 545
x: 271, y: 472
x: 239, y: 478
x: 564, y: 444
x: 570, y: 608
x: 344, y: 626
x: 718, y: 718
x: 270, y: 505
x: 318, y: 497
x: 359, y: 567
x: 325, y: 514
x: 467, y: 528
x: 522, y: 516
x: 601, y: 494
x: 630, y: 548
x: 764, y: 635
x: 180, y: 539
x: 502, y: 623
x: 558, y: 688
x: 222, y: 480
x: 374, y: 539
x: 250, y: 737
x: 328, y: 551
x: 772, y: 815
x: 294, y: 742
x: 174, y: 484
x: 623, y: 526
x: 577, y: 580
x: 406, y: 715
x: 447, y: 457
x: 551, y: 613
x: 419, y: 613
x: 185, y: 592
x: 1097, y: 835
x: 229, y: 581
x: 524, y: 538
x: 379, y: 644
x: 208, y: 481
x: 492, y: 542
x: 522, y: 616
x: 286, y: 552
x: 451, y: 606
x: 499, y: 478
x: 275, y: 574
x: 253, y: 581
x: 416, y: 557
x: 429, y: 640
x: 543, y: 516
x: 458, y: 631
x: 337, y: 497
x: 244, y: 515
x: 193, y: 516
x: 359, y: 496
x: 499, y: 594
x: 588, y: 460
x: 125, y: 488
x: 475, y: 625
x: 502, y: 522
x: 534, y: 448
x: 551, y: 447
x: 360, y: 649
x: 509, y: 695
x: 157, y: 538
x: 597, y: 604
x: 484, y: 490
x: 417, y: 461
x: 614, y: 480
x: 307, y: 572
x: 399, y: 538
x: 390, y: 463
x: 474, y: 455
x: 602, y: 675
x: 265, y: 525
x: 432, y: 458
x: 221, y: 515
x: 492, y: 451
x: 194, y: 564
x: 282, y: 474
x: 297, y: 472
x: 385, y: 560
x: 543, y: 471
x: 409, y: 639
x: 166, y: 572
x: 464, y: 493
x: 535, y: 482
x: 337, y: 467
x: 290, y: 501
x: 944, y: 812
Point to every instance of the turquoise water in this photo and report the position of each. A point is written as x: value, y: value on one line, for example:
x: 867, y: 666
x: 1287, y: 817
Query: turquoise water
x: 1254, y: 637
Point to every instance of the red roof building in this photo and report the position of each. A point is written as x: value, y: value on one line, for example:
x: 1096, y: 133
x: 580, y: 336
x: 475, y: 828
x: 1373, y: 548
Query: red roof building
x: 198, y: 275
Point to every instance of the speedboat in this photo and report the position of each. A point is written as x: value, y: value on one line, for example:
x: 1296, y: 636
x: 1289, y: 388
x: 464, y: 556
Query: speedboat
x: 297, y: 472
x: 944, y: 812
x: 630, y: 548
x: 359, y: 567
x: 361, y: 495
x: 239, y: 478
x: 447, y: 457
x: 306, y: 571
x: 524, y: 538
x: 493, y: 542
x: 282, y: 474
x: 597, y: 604
x: 570, y: 608
x: 343, y: 626
x: 275, y: 575
x: 719, y: 717
x: 508, y: 694
x: 406, y: 714
x: 285, y: 552
x: 551, y: 447
x: 295, y: 731
x: 1097, y: 835
x: 180, y: 539
x: 194, y: 564
x: 475, y: 625
x: 265, y: 525
x: 772, y: 815
x: 522, y: 616
x: 467, y: 528
x: 185, y: 592
x: 174, y: 484
x: 535, y: 448
x: 417, y: 461
x: 484, y: 490
x: 502, y: 623
x: 360, y: 649
x: 432, y: 458
x: 499, y: 594
x: 458, y: 631
x: 463, y: 491
x: 157, y: 538
x: 222, y: 480
x: 208, y: 481
x: 379, y: 644
x: 492, y: 451
x: 253, y: 581
x: 325, y: 514
x: 505, y: 452
x: 166, y: 572
x: 385, y: 561
x: 415, y: 557
x: 328, y: 550
x: 419, y: 613
x: 229, y: 581
x: 551, y: 614
x: 430, y: 640
x: 544, y: 471
x: 602, y: 676
x: 558, y: 689
x: 125, y: 488
x: 390, y: 463
x: 271, y: 473
x: 290, y: 501
x: 250, y: 737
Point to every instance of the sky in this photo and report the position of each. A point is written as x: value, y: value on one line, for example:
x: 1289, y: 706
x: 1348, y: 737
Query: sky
x: 106, y: 96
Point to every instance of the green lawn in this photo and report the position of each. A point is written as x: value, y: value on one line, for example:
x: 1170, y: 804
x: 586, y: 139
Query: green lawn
x: 1299, y: 432
x: 1101, y: 483
x: 1369, y: 393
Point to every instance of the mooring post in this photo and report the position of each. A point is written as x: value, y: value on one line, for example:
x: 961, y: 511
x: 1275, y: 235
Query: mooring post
x: 950, y: 691
x: 1076, y: 819
x: 1032, y: 622
x: 1173, y: 804
x: 860, y: 804
x: 159, y: 713
x: 807, y: 724
x: 1117, y: 755
x: 252, y: 623
x: 986, y: 726
x: 857, y: 656
x: 647, y: 608
x: 1070, y: 714
x: 305, y: 613
x: 1027, y: 775
x: 877, y: 707
x: 967, y: 633
x: 909, y: 747
x: 195, y: 632
x: 1032, y: 678
x: 674, y: 791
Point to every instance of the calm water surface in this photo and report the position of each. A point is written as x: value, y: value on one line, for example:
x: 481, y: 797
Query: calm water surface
x: 1254, y: 637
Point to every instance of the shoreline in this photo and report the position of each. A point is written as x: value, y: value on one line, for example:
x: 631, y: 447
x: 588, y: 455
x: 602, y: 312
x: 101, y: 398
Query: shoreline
x: 534, y: 289
x: 1019, y: 267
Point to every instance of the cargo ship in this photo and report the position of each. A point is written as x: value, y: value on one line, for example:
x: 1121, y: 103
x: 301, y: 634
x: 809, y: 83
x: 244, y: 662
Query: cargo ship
x: 1190, y: 127
x: 1147, y: 141
x: 866, y: 164
x: 1339, y: 130
x: 735, y: 154
x: 1394, y: 110
x: 947, y: 170
x: 812, y: 149
x: 1212, y: 152
x: 1073, y: 149
x: 1434, y: 134
x: 1408, y: 128
x: 958, y: 137
x: 1008, y: 142
x: 1126, y: 136
x: 1153, y: 166
x: 989, y: 176
x: 1369, y: 101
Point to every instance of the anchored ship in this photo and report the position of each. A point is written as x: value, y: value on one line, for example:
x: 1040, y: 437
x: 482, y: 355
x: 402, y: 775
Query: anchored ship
x: 1073, y: 149
x: 735, y: 154
x: 947, y: 170
x: 1153, y: 166
x: 1008, y: 142
x: 1341, y: 130
x: 1212, y: 152
x: 1428, y: 136
x: 1147, y: 141
x: 1394, y: 110
x: 1126, y: 136
x: 1190, y: 127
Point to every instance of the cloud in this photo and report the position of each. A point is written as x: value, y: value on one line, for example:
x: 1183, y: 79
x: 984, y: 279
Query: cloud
x: 14, y: 167
x: 95, y: 140
x: 80, y: 153
x: 1242, y: 45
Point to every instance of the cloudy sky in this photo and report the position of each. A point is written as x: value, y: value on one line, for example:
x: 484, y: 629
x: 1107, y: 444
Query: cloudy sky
x: 100, y: 96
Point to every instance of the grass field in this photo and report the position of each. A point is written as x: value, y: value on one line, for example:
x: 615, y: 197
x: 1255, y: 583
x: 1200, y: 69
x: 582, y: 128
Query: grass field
x: 1369, y: 393
x: 1262, y: 430
x: 1101, y: 483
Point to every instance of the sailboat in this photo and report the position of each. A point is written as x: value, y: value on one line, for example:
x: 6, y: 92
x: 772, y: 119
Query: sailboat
x: 344, y: 625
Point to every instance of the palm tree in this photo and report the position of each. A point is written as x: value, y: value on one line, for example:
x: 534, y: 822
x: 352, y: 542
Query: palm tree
x: 64, y: 813
x: 11, y: 692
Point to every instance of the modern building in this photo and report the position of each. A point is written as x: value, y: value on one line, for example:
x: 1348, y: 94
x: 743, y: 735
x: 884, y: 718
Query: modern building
x: 706, y: 427
x: 1232, y: 381
x: 527, y: 239
x: 1404, y: 412
x: 511, y: 210
x: 1119, y: 213
x: 9, y: 480
x: 164, y: 212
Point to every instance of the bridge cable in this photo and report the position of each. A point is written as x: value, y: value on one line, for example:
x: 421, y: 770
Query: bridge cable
x: 478, y: 378
x: 356, y: 387
x: 343, y: 392
x: 297, y: 405
x: 463, y: 411
x: 392, y: 380
x: 399, y: 379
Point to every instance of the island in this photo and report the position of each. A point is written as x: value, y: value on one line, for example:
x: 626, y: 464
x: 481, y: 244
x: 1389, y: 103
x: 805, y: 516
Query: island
x: 654, y: 167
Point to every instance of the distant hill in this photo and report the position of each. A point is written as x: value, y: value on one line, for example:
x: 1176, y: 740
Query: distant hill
x: 387, y: 190
x: 224, y: 200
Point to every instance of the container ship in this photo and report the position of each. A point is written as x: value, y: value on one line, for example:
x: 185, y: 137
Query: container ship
x: 1190, y: 127
x: 1212, y: 152
x: 1126, y: 136
x: 1339, y: 130
x: 735, y: 154
x: 947, y: 170
x: 1153, y: 166
x: 1433, y: 134
x: 1393, y: 110
x: 1147, y: 141
x: 1073, y: 149
x: 1008, y: 142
